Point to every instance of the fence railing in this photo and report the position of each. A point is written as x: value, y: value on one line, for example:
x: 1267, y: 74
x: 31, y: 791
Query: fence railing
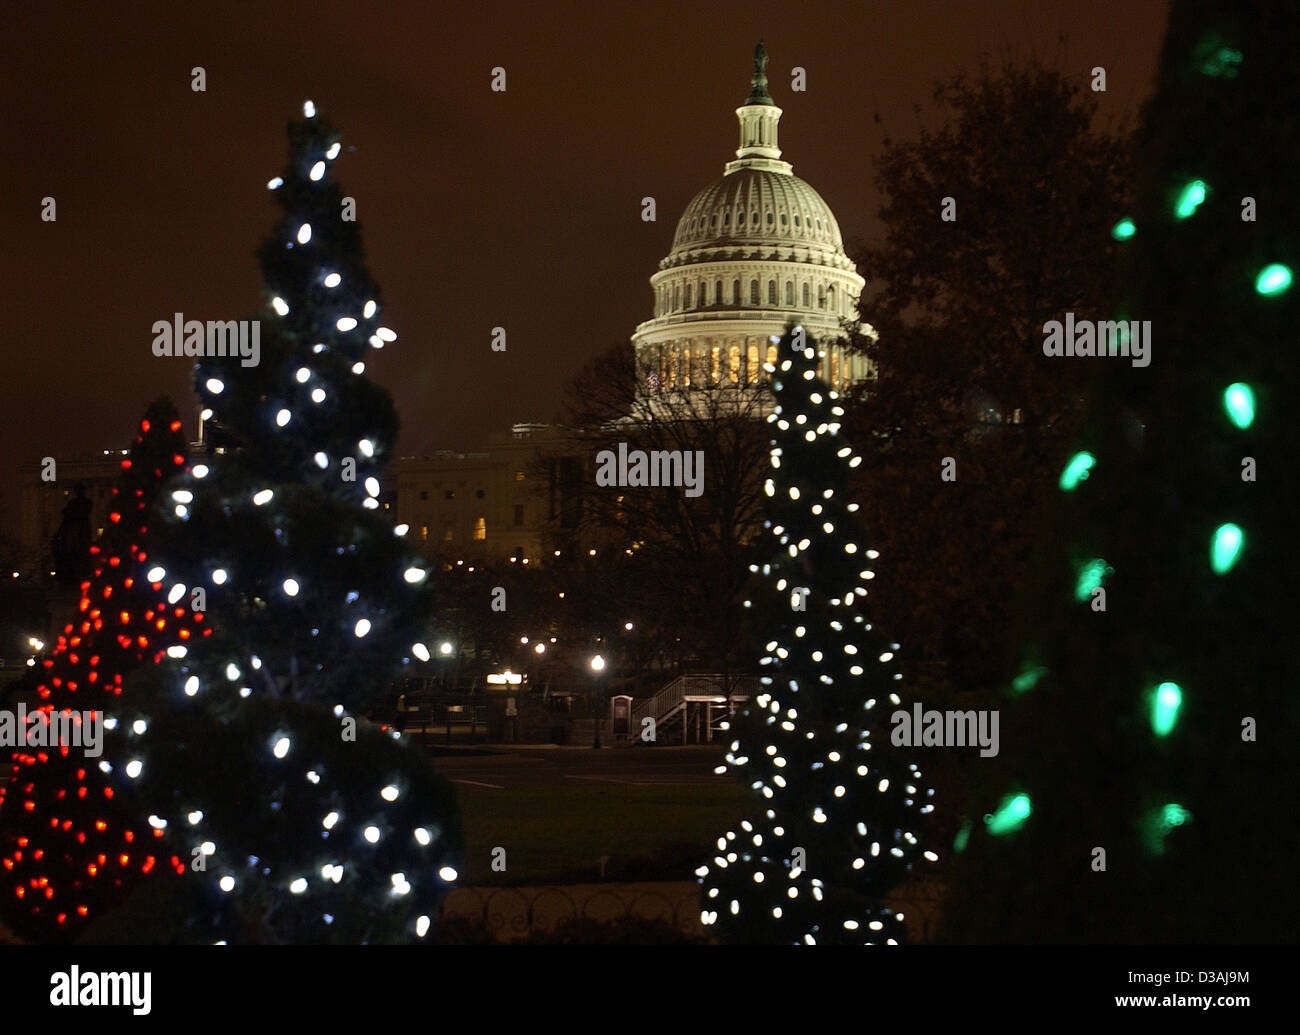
x: 512, y: 913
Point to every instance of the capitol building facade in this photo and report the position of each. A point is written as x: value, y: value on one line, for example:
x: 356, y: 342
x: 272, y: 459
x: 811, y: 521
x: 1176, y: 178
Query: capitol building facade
x: 755, y: 250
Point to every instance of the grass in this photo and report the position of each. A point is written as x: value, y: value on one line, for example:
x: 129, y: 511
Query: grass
x: 558, y: 835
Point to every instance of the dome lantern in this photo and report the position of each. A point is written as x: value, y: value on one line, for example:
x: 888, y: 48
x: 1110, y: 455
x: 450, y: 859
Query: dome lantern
x: 758, y: 117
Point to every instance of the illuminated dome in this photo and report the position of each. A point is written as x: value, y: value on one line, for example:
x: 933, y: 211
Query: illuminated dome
x: 754, y: 251
x: 756, y: 207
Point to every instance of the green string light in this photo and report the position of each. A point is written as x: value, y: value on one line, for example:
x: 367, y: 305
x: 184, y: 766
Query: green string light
x: 1123, y: 230
x: 1190, y: 198
x: 962, y: 839
x: 1090, y: 576
x: 1165, y: 703
x: 1226, y: 547
x: 1159, y: 823
x: 1028, y: 679
x: 1222, y: 63
x: 1239, y: 401
x: 1077, y: 470
x: 1010, y: 815
x: 1273, y: 279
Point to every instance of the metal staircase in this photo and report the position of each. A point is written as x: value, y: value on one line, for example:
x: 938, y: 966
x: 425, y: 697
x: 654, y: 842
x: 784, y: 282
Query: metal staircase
x: 691, y: 706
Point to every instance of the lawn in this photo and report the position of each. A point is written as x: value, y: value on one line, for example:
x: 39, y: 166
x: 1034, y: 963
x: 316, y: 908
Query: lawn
x: 555, y: 835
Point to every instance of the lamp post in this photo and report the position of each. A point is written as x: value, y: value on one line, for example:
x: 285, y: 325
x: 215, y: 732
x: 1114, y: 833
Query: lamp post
x: 597, y: 667
x: 445, y: 652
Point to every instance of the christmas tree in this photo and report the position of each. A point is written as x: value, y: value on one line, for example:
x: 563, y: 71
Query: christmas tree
x: 72, y: 844
x: 841, y: 813
x: 317, y: 826
x: 1147, y: 786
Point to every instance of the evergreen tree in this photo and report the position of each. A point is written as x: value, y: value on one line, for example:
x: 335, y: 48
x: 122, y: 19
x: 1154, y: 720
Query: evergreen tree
x: 841, y: 812
x: 319, y: 828
x: 71, y: 842
x: 1147, y: 784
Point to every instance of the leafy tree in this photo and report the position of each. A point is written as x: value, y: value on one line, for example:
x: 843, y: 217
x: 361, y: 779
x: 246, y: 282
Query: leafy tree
x: 688, y: 553
x: 994, y: 223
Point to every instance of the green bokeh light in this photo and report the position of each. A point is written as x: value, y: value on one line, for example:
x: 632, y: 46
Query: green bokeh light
x: 1090, y: 575
x: 1190, y: 198
x: 1273, y: 279
x: 1077, y: 470
x: 1166, y: 701
x: 1123, y: 230
x: 1158, y: 824
x: 1222, y: 63
x: 1028, y: 678
x: 1010, y: 815
x: 1226, y: 548
x: 1239, y: 401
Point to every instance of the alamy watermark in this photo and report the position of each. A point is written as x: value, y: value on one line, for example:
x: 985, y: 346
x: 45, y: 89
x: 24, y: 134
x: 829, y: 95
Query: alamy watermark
x: 932, y: 728
x: 658, y: 467
x: 51, y: 729
x: 102, y: 988
x: 217, y: 339
x: 1131, y: 338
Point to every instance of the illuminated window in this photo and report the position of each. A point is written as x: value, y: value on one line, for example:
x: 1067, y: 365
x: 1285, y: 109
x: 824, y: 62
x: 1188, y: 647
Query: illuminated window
x: 447, y: 534
x: 771, y: 354
x: 480, y: 528
x: 519, y: 476
x: 752, y: 372
x: 733, y: 363
x: 715, y: 364
x: 835, y: 368
x: 424, y: 533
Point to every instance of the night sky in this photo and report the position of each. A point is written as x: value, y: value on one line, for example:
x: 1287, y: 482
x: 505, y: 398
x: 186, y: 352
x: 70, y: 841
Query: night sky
x: 477, y: 208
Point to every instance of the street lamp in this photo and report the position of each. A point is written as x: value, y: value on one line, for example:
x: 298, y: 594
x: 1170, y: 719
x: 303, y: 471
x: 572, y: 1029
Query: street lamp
x: 597, y: 667
x: 445, y: 651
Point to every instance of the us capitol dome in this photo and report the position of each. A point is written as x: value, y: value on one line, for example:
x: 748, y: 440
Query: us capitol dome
x: 754, y: 251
